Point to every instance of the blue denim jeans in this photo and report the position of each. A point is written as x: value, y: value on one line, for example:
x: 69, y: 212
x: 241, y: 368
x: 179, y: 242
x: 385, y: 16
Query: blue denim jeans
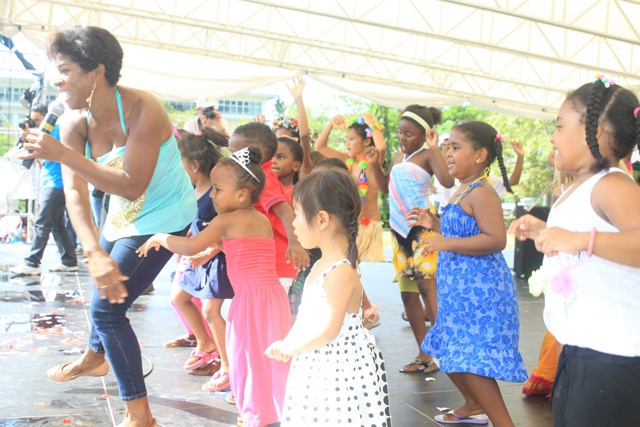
x: 96, y: 208
x: 111, y: 332
x: 50, y: 220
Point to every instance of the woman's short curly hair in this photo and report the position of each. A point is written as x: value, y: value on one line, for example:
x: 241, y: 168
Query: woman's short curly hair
x: 88, y: 47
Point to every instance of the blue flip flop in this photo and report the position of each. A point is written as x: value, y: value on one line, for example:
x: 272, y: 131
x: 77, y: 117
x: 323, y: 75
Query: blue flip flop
x: 472, y: 419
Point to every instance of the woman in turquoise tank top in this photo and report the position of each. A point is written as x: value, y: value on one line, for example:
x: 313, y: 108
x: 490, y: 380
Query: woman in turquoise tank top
x: 121, y: 141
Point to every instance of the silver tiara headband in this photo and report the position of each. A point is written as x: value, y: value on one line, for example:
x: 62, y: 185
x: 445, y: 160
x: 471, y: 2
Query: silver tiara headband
x: 241, y: 157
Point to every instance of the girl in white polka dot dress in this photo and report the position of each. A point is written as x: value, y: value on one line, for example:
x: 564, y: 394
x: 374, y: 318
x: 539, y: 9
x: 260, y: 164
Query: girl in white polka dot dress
x: 337, y: 375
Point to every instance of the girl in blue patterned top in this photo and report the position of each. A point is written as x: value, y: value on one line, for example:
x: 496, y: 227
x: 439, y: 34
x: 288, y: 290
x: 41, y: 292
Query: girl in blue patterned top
x: 475, y: 336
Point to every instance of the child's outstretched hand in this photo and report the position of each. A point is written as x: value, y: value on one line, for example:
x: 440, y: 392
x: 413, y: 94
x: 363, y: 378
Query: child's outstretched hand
x: 258, y: 119
x: 297, y: 87
x: 297, y: 254
x: 275, y: 352
x: 518, y: 148
x: 433, y: 243
x: 422, y: 217
x: 339, y: 122
x: 372, y: 154
x: 432, y: 139
x: 527, y: 227
x: 152, y: 243
x: 200, y: 259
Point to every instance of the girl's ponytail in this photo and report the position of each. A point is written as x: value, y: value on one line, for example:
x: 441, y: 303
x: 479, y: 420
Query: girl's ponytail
x: 214, y: 137
x: 352, y: 232
x: 497, y: 143
x: 203, y: 148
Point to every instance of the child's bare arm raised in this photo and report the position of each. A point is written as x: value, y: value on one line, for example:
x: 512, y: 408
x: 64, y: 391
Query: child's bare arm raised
x: 437, y: 161
x: 382, y: 179
x: 321, y: 143
x: 295, y: 90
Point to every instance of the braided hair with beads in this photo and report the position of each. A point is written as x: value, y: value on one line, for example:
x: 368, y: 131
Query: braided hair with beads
x: 611, y: 108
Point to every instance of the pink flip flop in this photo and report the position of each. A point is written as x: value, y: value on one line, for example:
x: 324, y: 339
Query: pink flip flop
x: 203, y: 358
x: 222, y: 386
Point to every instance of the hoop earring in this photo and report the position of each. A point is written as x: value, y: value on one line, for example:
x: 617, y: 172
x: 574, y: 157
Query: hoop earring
x: 90, y: 98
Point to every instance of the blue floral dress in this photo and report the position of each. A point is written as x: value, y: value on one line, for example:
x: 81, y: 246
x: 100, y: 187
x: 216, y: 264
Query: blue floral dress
x: 477, y: 327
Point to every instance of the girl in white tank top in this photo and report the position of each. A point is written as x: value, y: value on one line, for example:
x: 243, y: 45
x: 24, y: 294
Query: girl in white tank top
x: 591, y: 244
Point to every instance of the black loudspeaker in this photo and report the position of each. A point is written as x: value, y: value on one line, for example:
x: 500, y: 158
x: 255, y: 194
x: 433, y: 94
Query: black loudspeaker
x: 526, y: 258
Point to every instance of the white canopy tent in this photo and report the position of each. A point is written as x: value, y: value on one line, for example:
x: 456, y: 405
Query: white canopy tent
x: 513, y: 56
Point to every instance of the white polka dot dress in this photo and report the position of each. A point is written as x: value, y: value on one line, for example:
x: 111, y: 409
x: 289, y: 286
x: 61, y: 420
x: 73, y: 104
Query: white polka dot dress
x: 341, y: 384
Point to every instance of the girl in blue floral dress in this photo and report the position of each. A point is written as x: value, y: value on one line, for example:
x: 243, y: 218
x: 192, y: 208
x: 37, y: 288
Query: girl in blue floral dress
x: 476, y: 332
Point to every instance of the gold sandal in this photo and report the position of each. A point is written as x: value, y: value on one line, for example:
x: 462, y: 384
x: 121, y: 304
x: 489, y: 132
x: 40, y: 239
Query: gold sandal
x: 57, y: 372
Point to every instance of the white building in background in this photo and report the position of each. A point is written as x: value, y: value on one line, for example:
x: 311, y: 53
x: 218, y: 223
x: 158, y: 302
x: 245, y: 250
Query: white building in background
x: 12, y: 90
x: 237, y: 110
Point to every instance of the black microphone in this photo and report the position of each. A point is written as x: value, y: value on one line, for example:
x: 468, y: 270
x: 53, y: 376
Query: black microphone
x: 56, y: 109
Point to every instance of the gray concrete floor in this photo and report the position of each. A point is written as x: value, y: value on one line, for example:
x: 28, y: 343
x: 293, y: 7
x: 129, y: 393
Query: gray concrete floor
x: 43, y: 322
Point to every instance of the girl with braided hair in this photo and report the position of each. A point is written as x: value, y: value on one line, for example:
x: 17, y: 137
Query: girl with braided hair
x: 363, y: 133
x: 337, y: 374
x: 476, y: 333
x: 591, y: 243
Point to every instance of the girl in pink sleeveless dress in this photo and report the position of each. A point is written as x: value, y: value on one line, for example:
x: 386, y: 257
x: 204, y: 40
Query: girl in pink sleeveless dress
x: 259, y: 313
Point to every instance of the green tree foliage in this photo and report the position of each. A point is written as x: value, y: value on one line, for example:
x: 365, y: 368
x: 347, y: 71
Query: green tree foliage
x: 280, y: 107
x: 534, y: 135
x: 179, y: 117
x: 7, y: 142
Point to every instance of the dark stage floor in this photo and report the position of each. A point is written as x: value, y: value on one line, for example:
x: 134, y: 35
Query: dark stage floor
x: 43, y: 322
